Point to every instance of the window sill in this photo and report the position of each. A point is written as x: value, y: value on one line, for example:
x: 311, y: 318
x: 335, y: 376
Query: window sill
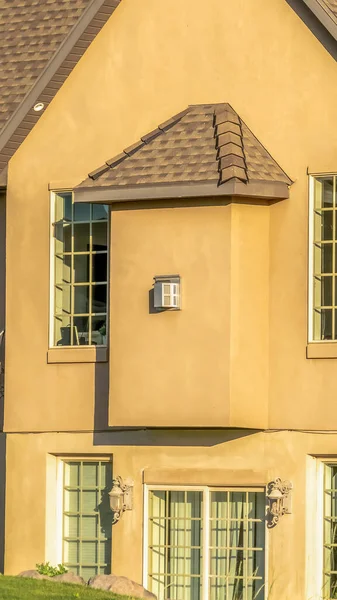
x: 322, y: 350
x: 89, y: 354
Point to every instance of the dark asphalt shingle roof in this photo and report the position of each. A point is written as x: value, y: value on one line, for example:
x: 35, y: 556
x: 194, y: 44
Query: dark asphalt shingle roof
x: 41, y: 41
x: 330, y: 5
x: 204, y: 143
x: 31, y: 32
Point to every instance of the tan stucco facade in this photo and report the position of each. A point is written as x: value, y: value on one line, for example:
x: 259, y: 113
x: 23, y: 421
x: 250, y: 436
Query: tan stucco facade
x: 235, y: 355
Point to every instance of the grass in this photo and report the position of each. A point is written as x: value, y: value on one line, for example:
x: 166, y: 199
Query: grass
x: 22, y: 588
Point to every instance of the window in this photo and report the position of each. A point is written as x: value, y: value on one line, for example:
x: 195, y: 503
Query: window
x: 323, y: 284
x: 87, y: 518
x: 330, y: 531
x: 206, y: 544
x: 80, y: 272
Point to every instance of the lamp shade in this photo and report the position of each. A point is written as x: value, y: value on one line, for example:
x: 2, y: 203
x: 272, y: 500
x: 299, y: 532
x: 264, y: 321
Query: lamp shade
x: 116, y: 498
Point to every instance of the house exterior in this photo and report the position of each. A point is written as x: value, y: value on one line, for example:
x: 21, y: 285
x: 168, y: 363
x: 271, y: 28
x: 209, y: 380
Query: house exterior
x: 168, y: 275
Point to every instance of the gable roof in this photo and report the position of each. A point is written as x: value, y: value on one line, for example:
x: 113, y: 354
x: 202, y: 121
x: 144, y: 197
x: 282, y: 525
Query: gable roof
x: 326, y: 13
x: 41, y: 42
x: 206, y: 148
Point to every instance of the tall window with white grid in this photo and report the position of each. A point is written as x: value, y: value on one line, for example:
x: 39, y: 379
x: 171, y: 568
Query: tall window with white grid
x: 80, y: 272
x: 87, y: 518
x: 330, y: 532
x: 323, y: 280
x: 206, y: 544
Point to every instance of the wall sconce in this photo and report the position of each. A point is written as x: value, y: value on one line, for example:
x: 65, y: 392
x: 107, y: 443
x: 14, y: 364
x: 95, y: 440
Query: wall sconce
x: 279, y: 497
x: 121, y: 497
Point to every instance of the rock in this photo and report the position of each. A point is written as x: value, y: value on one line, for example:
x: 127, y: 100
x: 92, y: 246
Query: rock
x: 32, y: 574
x: 65, y: 577
x: 68, y: 578
x: 120, y: 585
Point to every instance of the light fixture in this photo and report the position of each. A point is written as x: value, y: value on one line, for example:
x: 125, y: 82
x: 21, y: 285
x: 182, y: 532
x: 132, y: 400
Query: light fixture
x: 166, y: 293
x: 279, y: 497
x: 121, y: 497
x: 38, y: 107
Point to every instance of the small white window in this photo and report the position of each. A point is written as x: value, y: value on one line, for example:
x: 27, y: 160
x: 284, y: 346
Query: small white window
x: 323, y: 262
x: 79, y: 268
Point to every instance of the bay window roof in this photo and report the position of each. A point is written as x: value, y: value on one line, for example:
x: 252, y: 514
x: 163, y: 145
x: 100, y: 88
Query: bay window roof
x: 206, y: 150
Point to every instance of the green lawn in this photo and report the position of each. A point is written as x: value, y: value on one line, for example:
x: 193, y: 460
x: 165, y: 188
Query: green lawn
x: 22, y: 588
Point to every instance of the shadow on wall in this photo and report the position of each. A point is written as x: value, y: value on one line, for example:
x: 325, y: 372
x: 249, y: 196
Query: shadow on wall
x: 123, y: 436
x: 316, y: 28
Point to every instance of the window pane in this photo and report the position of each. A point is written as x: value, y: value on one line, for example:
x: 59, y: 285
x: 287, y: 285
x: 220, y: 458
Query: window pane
x: 323, y: 291
x: 81, y: 237
x: 323, y: 258
x: 81, y: 327
x: 81, y: 299
x: 72, y: 474
x: 323, y: 324
x: 323, y: 192
x: 99, y: 236
x: 67, y: 237
x: 324, y: 225
x: 98, y: 328
x: 81, y: 211
x: 99, y: 267
x: 62, y: 330
x: 63, y: 299
x: 62, y: 269
x: 99, y: 298
x: 81, y: 268
x: 99, y: 211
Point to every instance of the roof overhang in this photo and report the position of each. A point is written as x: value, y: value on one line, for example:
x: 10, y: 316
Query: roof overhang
x: 323, y: 15
x: 254, y: 189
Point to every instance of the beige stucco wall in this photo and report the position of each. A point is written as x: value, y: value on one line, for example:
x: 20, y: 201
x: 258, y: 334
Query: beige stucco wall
x: 261, y: 58
x: 148, y: 63
x: 161, y: 364
x: 221, y: 457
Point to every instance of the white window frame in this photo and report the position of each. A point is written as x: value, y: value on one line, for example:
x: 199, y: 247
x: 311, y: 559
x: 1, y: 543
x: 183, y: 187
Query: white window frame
x: 51, y: 344
x: 206, y: 530
x: 312, y: 178
x: 60, y: 498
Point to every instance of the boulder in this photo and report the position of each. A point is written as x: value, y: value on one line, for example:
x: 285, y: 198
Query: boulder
x: 68, y: 578
x: 120, y: 585
x: 32, y: 574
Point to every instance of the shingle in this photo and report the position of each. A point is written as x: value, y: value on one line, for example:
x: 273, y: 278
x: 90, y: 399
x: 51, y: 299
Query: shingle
x: 31, y: 32
x: 204, y: 143
x: 330, y: 5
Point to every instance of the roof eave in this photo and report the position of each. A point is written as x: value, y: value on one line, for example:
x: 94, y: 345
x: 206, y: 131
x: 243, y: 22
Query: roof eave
x: 266, y: 190
x: 324, y: 16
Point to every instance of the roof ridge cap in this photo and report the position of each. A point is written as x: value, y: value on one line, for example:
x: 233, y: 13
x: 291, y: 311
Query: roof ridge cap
x: 230, y: 152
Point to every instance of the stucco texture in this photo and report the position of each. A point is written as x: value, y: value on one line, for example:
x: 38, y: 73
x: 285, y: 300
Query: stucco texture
x: 241, y: 335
